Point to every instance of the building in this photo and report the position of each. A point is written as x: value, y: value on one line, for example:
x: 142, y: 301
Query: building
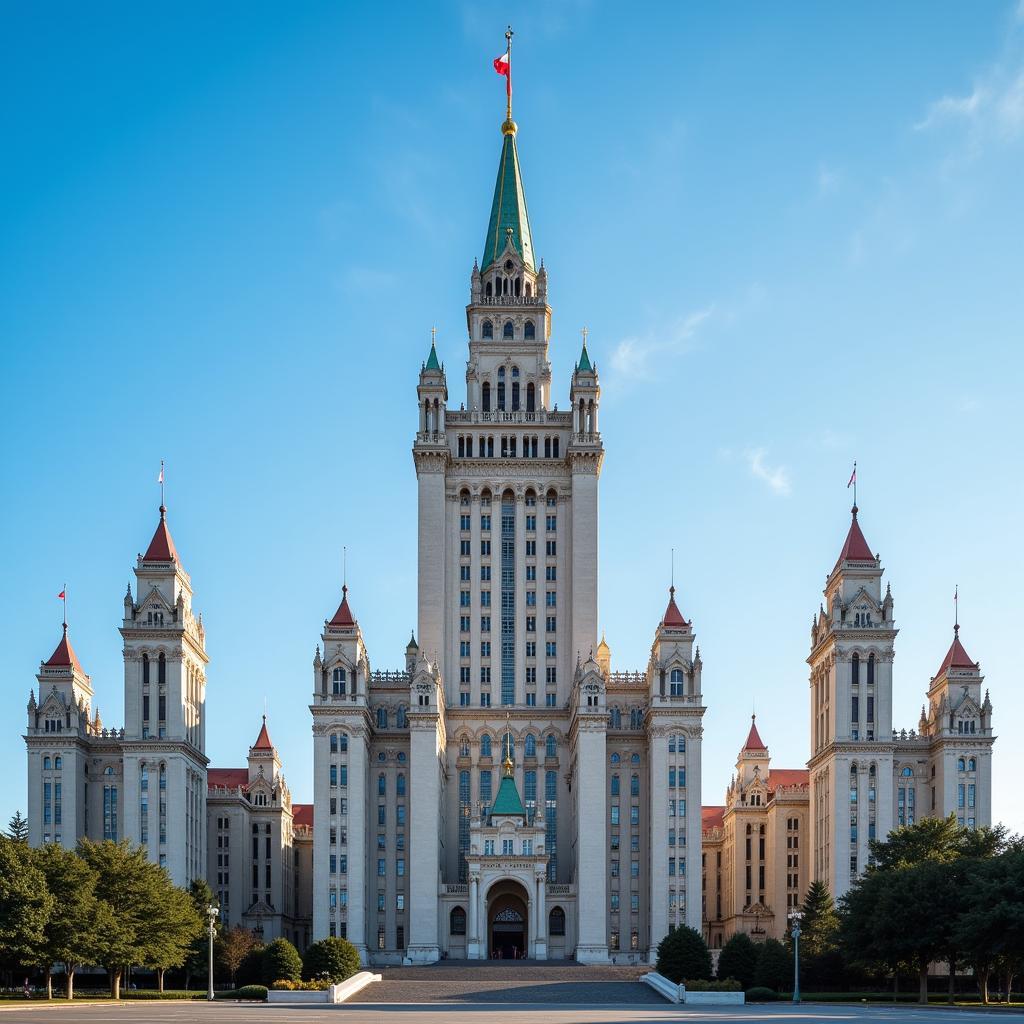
x: 781, y: 829
x: 456, y: 798
x: 148, y: 781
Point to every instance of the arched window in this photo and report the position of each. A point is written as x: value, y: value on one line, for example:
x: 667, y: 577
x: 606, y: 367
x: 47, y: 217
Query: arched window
x: 551, y: 746
x: 58, y: 763
x: 382, y: 718
x: 531, y: 405
x: 488, y: 328
x: 161, y: 669
x: 108, y: 770
x: 616, y: 717
x: 972, y: 765
x: 485, y: 745
x: 636, y: 718
x: 853, y: 768
x: 530, y: 745
x: 343, y: 742
x: 501, y: 389
x: 145, y: 668
x: 871, y: 670
x: 515, y: 388
x: 401, y: 757
x: 489, y: 289
x: 457, y: 921
x: 464, y: 747
x: 400, y: 720
x: 855, y: 670
x: 529, y: 331
x: 615, y: 784
x: 334, y: 743
x: 506, y: 331
x: 961, y: 765
x: 634, y: 785
x: 338, y: 682
x: 400, y: 785
x: 676, y: 683
x: 907, y: 772
x: 615, y: 758
x: 634, y: 758
x: 556, y: 921
x: 487, y: 396
x: 382, y: 785
x: 46, y: 764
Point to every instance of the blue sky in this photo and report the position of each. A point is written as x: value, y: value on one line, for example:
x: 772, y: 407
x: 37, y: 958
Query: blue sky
x: 794, y: 232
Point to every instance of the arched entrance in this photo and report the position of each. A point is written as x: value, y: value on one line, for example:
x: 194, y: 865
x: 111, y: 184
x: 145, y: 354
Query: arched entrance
x: 508, y: 914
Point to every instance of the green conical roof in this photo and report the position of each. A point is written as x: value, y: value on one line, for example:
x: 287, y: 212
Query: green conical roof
x: 432, y: 363
x: 584, y: 363
x: 508, y: 210
x: 507, y: 801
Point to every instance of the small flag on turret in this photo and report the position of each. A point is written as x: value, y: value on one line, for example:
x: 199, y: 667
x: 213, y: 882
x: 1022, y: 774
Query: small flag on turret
x: 503, y: 65
x: 60, y: 596
x: 853, y: 477
x: 160, y: 478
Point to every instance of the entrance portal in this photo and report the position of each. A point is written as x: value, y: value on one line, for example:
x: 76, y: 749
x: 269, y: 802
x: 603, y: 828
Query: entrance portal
x: 507, y: 914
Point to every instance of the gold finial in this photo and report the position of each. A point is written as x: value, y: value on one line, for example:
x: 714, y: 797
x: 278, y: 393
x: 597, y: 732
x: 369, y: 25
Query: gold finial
x: 508, y: 768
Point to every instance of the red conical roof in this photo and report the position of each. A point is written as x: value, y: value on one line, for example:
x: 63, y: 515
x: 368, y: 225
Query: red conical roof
x: 161, y: 547
x: 343, y: 616
x: 754, y: 741
x: 856, y: 547
x: 956, y: 656
x: 673, y: 617
x: 64, y: 656
x: 263, y: 740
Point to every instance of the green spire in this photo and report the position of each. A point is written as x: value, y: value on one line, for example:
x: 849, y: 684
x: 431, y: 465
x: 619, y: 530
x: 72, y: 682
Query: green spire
x: 507, y: 801
x: 584, y: 363
x: 508, y: 210
x: 432, y: 363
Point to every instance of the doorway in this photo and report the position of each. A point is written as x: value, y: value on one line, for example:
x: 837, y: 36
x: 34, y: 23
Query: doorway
x: 507, y: 932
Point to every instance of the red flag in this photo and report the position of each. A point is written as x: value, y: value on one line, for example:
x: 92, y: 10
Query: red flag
x: 853, y: 478
x: 60, y: 596
x: 503, y: 65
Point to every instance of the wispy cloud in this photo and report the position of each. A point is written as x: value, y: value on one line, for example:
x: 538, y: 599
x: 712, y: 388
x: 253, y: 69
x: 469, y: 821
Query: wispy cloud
x: 776, y: 477
x: 952, y: 107
x: 633, y: 357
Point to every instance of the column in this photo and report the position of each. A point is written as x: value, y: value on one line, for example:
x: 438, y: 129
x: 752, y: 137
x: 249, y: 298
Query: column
x: 424, y: 854
x: 430, y: 594
x: 321, y: 848
x: 584, y: 559
x: 591, y: 862
x: 693, y: 830
x: 473, y: 611
x: 473, y: 943
x: 541, y: 948
x: 520, y: 599
x: 355, y: 880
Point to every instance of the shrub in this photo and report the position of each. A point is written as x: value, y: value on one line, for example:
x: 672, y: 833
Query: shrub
x: 316, y: 985
x: 738, y: 960
x: 250, y: 970
x: 774, y: 966
x: 252, y: 992
x: 335, y: 959
x: 761, y: 994
x: 281, y: 960
x: 683, y: 953
x: 283, y: 985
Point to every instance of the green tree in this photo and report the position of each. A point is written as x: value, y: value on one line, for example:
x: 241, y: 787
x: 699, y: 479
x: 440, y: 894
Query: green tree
x: 281, y: 961
x: 77, y: 918
x: 171, y: 925
x: 125, y: 883
x: 197, y: 960
x: 738, y: 960
x: 774, y: 966
x: 17, y: 829
x: 819, y: 923
x: 336, y: 959
x: 683, y: 955
x: 25, y: 904
x: 250, y: 970
x: 233, y: 947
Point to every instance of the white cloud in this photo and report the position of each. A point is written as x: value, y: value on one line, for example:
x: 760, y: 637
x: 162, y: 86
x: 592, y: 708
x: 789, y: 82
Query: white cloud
x: 633, y: 357
x: 776, y: 477
x: 953, y: 107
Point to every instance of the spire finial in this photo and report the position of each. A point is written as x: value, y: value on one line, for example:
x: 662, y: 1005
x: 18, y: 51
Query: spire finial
x: 956, y: 610
x: 673, y: 577
x: 344, y: 564
x: 508, y: 78
x: 160, y: 480
x: 852, y: 482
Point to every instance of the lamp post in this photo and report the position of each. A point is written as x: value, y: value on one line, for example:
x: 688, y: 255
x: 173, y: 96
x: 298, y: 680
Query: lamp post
x: 211, y: 913
x: 795, y: 918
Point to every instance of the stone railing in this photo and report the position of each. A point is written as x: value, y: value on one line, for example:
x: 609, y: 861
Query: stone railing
x: 509, y: 300
x: 456, y: 889
x: 558, y: 889
x: 390, y: 677
x: 521, y: 416
x: 631, y: 679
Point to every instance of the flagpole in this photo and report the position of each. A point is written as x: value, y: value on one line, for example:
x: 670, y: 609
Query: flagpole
x: 956, y: 609
x: 64, y: 595
x: 161, y: 483
x: 508, y: 37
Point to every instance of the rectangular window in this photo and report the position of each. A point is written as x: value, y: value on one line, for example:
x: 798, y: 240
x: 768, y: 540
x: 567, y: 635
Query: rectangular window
x: 551, y: 674
x: 463, y: 623
x: 464, y: 548
x: 549, y: 700
x: 485, y: 623
x: 531, y: 598
x: 615, y: 814
x: 382, y: 867
x: 464, y: 699
x: 531, y: 700
x: 485, y: 548
x: 551, y: 624
x: 531, y: 573
x: 485, y: 573
x: 551, y: 548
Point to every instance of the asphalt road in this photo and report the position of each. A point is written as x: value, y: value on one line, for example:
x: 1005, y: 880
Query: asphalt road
x: 507, y: 1013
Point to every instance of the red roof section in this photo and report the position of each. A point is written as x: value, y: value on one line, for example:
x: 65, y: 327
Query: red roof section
x: 65, y: 655
x: 263, y: 740
x: 302, y: 814
x: 673, y: 617
x: 856, y: 547
x: 229, y: 778
x: 956, y: 656
x: 753, y: 737
x: 711, y: 817
x: 788, y: 777
x: 343, y: 616
x: 161, y: 547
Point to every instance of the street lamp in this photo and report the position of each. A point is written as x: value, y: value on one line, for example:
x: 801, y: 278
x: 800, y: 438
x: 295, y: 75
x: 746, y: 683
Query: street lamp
x: 211, y: 913
x: 795, y: 918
